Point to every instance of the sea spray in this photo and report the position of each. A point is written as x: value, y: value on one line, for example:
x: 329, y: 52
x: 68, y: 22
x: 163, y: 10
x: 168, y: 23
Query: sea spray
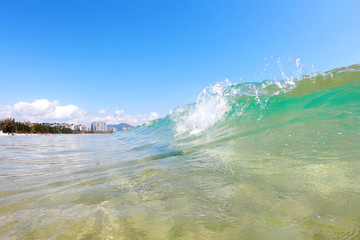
x: 210, y: 107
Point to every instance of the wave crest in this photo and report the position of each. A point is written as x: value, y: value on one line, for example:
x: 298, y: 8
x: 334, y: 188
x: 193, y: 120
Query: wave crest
x: 225, y: 99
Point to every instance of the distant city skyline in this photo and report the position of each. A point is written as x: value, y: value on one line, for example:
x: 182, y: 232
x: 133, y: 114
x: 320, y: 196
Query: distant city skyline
x: 125, y: 61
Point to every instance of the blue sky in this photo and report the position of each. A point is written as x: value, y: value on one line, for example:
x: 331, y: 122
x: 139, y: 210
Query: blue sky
x: 143, y: 58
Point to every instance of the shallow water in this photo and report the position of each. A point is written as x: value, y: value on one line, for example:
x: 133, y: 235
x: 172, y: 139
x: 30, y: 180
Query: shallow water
x: 274, y: 165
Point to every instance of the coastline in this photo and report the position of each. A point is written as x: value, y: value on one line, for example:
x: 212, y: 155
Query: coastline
x: 23, y: 134
x: 47, y: 134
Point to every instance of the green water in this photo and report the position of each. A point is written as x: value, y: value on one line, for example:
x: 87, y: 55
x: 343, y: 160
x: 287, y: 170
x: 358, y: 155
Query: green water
x: 271, y: 160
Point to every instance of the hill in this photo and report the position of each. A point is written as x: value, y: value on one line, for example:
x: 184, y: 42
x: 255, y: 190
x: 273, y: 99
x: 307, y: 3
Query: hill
x: 121, y: 126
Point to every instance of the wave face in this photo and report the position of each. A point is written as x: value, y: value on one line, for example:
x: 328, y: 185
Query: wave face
x: 326, y: 104
x: 268, y: 160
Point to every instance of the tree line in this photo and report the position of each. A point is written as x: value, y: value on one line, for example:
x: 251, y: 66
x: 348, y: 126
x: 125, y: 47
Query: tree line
x: 11, y: 126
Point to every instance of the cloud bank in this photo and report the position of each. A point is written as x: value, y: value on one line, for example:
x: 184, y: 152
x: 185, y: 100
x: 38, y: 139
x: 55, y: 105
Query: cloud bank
x: 43, y: 110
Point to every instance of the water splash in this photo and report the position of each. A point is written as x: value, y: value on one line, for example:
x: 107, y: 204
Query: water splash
x: 217, y: 103
x: 210, y: 107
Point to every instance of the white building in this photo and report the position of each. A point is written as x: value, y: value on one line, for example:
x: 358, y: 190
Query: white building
x: 81, y: 128
x: 112, y: 129
x: 68, y: 125
x: 98, y: 127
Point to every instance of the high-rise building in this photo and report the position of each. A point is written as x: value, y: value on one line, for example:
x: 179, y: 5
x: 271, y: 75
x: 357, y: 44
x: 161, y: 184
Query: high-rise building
x: 98, y: 127
x: 81, y: 128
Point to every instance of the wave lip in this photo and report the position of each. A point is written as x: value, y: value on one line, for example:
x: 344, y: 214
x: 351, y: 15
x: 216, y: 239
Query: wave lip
x: 211, y: 107
x: 251, y: 100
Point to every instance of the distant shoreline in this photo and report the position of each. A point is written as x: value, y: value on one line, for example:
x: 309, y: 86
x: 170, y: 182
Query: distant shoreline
x: 47, y: 134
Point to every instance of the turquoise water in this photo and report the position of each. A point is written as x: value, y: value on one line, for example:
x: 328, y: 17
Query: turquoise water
x: 270, y: 160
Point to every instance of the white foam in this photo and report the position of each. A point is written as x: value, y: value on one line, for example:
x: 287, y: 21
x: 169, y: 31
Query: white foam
x: 211, y: 106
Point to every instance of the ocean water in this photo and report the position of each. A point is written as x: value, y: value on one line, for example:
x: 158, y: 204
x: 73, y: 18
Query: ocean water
x: 269, y: 160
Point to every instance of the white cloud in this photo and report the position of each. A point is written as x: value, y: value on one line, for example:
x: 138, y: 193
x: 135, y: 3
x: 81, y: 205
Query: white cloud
x: 43, y: 110
x: 42, y: 106
x: 101, y: 111
x: 130, y: 119
x: 5, y: 112
x: 119, y: 112
x: 65, y: 112
x: 153, y: 116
